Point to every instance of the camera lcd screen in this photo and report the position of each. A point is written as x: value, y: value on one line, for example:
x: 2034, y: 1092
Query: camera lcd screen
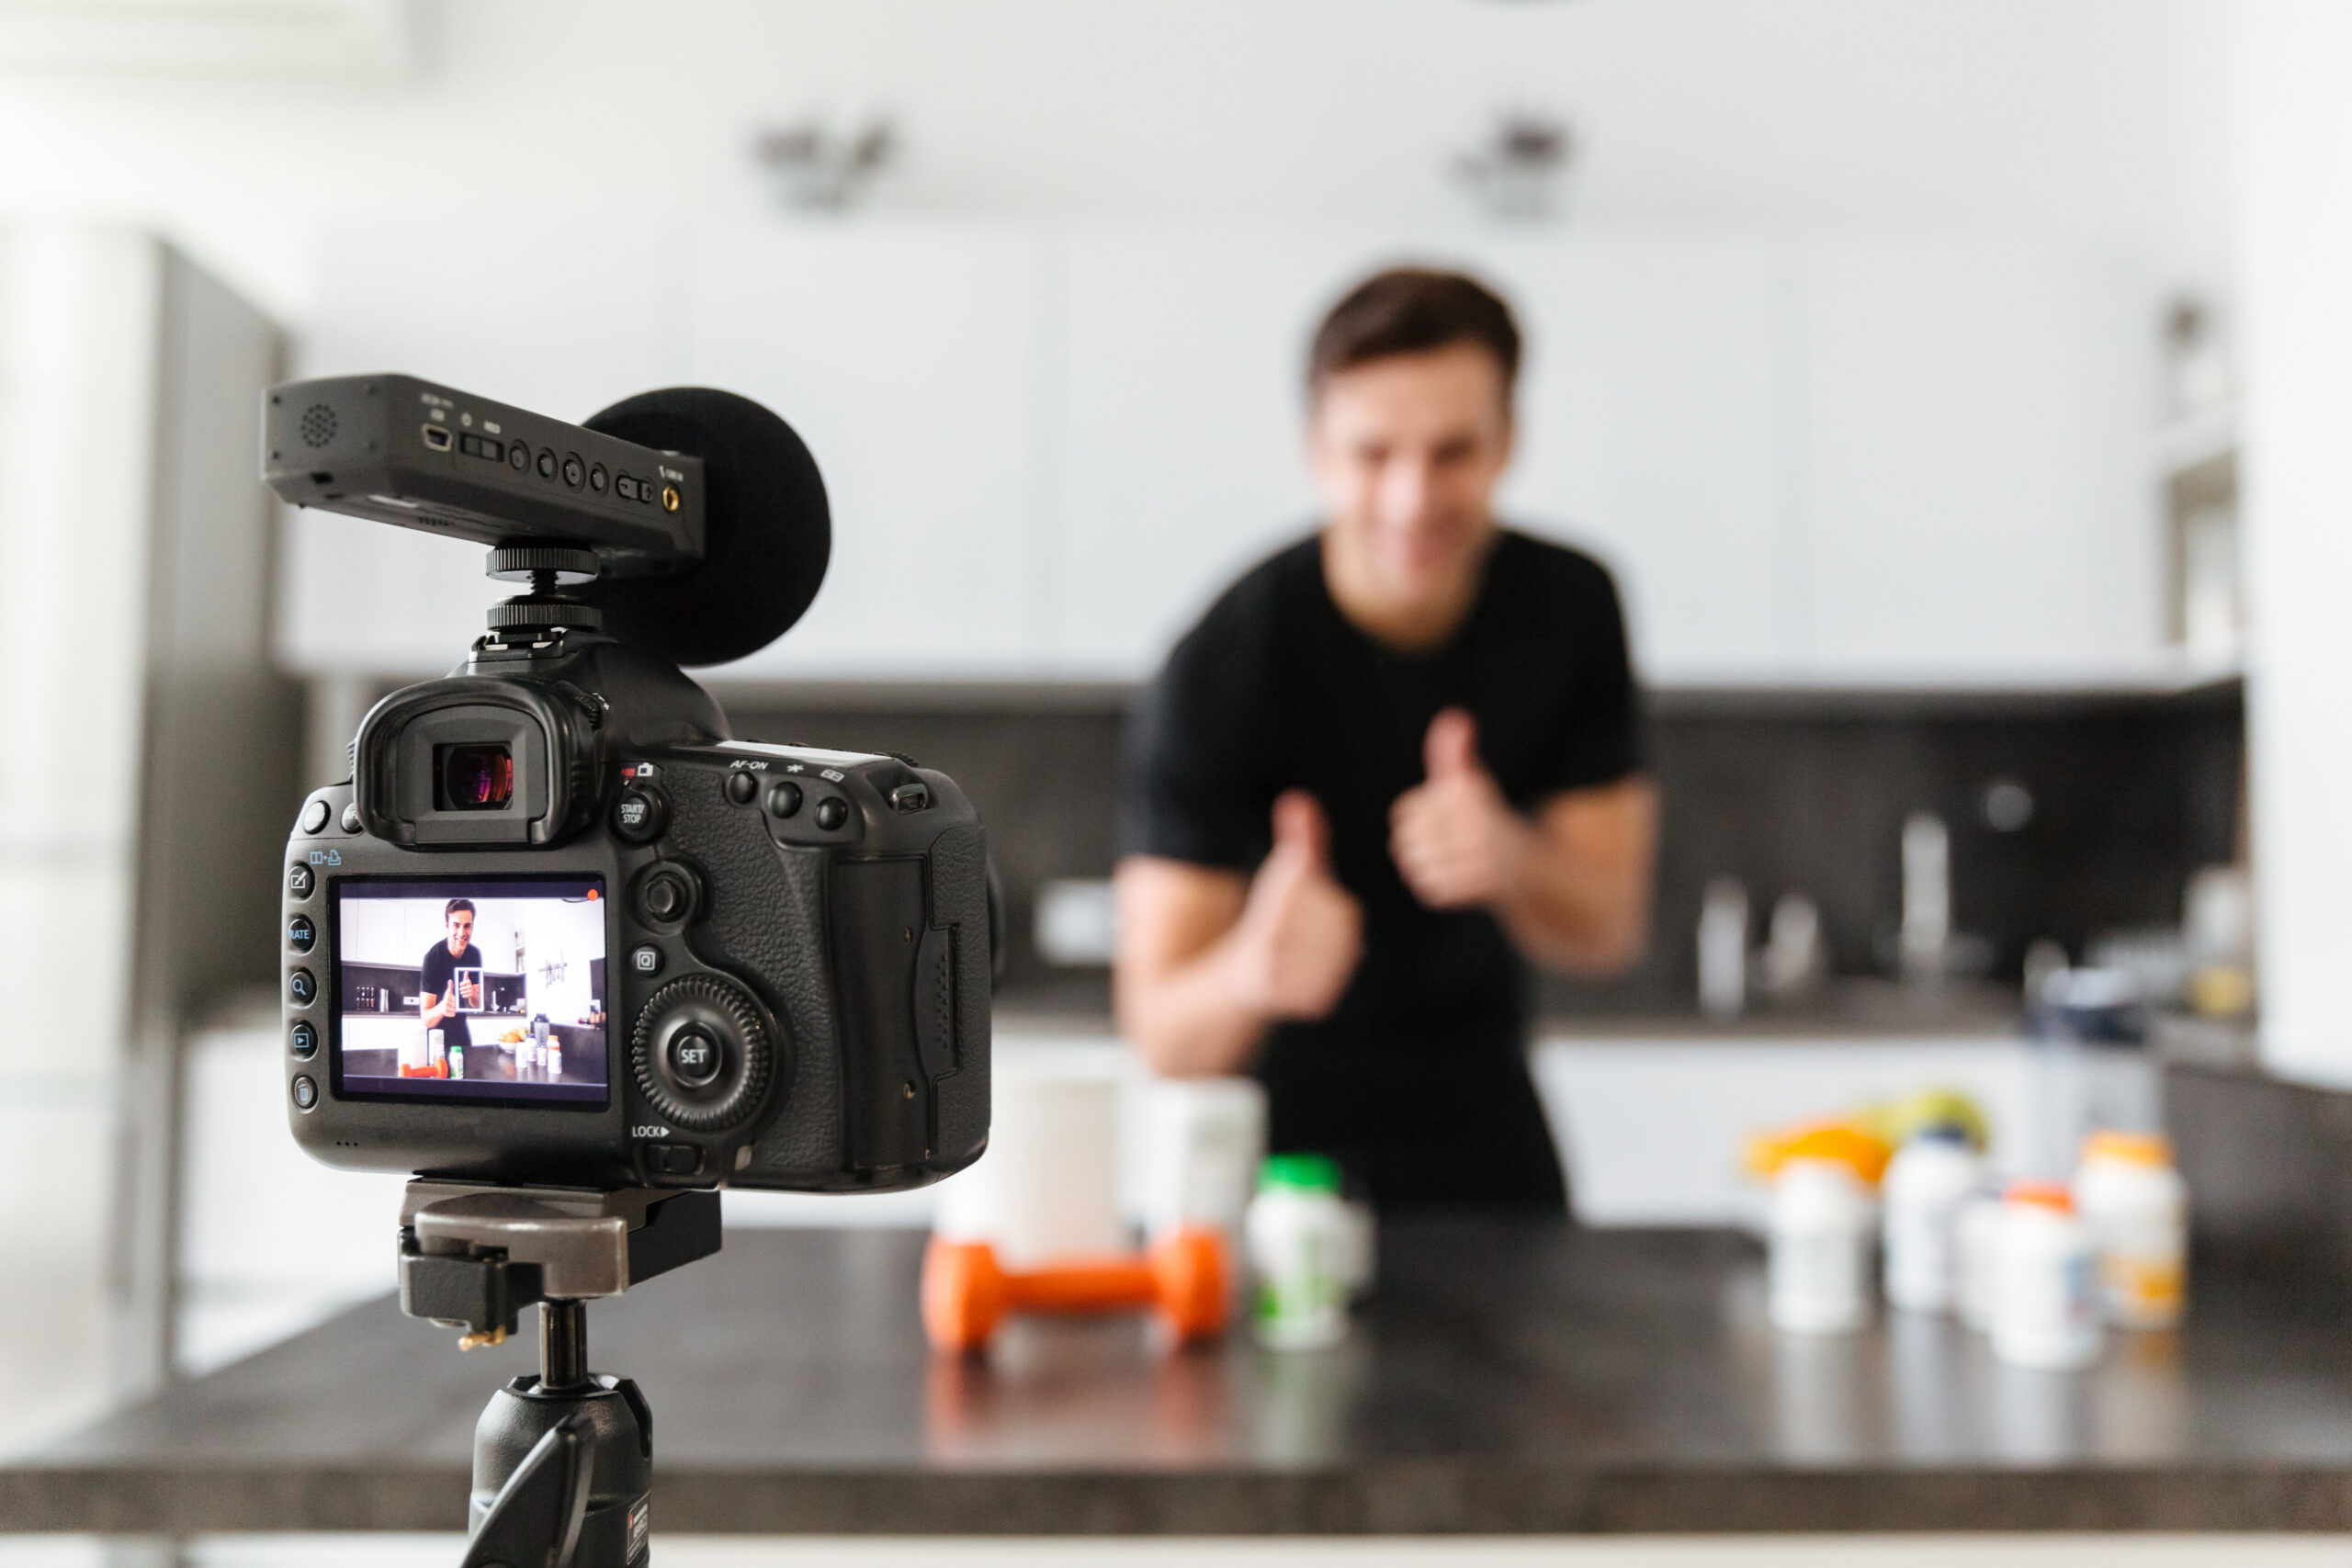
x: 477, y: 989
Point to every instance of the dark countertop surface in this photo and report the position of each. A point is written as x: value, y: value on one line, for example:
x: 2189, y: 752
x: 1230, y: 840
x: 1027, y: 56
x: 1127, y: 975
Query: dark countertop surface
x: 1510, y: 1378
x: 1847, y: 1009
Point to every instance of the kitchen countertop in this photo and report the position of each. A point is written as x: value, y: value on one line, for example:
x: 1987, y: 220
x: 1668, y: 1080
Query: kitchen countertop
x: 1510, y: 1377
x: 1856, y: 1008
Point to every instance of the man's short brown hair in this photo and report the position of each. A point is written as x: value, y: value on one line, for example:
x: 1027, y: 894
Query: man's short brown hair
x: 1412, y: 309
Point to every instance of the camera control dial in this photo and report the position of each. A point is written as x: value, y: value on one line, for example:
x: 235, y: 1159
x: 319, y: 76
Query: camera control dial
x: 701, y: 1055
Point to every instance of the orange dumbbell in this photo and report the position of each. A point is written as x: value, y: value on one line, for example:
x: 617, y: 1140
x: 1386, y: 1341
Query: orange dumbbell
x: 966, y: 1292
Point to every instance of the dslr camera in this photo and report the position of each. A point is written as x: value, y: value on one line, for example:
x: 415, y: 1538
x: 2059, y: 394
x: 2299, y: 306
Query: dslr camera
x: 559, y: 927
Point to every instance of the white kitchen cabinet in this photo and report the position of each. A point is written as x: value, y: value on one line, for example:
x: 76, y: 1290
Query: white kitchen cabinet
x: 1178, y: 461
x: 1048, y: 449
x: 1974, y: 493
x: 1832, y: 461
x: 907, y: 357
x: 1653, y: 422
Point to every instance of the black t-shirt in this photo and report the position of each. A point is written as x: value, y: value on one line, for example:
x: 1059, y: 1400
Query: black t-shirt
x: 1419, y: 1076
x: 440, y: 974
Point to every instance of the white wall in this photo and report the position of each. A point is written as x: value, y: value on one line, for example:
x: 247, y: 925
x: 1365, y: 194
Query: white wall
x: 2295, y: 222
x: 2097, y: 119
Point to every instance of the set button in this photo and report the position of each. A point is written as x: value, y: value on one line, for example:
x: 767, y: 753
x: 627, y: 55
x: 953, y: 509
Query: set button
x: 694, y: 1058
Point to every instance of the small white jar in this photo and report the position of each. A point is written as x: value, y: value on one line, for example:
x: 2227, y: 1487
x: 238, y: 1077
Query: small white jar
x: 1928, y: 1180
x: 1980, y: 1239
x: 1302, y: 1245
x: 2046, y: 1314
x: 1819, y: 1263
x: 2136, y: 1207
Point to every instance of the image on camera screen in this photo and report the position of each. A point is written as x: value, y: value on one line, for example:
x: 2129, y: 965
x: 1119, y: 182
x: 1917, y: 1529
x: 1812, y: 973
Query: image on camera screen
x: 486, y: 988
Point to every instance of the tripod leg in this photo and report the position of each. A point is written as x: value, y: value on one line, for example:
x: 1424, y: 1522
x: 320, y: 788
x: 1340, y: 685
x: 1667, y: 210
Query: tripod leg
x: 536, y: 1516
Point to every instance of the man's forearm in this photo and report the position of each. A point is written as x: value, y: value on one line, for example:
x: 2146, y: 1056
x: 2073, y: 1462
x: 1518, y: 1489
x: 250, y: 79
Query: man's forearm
x: 1191, y: 1021
x: 1580, y: 898
x: 1562, y: 915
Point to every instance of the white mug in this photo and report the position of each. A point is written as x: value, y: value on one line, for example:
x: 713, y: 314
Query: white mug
x: 1047, y: 1188
x: 1202, y: 1141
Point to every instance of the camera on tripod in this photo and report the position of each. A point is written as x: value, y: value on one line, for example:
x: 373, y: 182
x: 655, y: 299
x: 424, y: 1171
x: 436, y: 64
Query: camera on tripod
x: 558, y: 928
x: 574, y: 957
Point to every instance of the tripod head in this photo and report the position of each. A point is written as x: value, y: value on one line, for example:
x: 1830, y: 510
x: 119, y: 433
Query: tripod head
x: 563, y: 1462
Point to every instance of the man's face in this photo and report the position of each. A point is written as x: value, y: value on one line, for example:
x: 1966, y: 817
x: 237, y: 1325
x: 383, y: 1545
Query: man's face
x: 461, y: 929
x: 1406, y: 452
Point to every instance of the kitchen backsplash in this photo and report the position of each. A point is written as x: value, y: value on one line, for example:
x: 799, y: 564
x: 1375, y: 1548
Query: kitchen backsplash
x: 2123, y: 795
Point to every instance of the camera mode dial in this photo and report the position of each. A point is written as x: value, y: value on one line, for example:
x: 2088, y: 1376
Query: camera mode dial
x: 701, y: 1054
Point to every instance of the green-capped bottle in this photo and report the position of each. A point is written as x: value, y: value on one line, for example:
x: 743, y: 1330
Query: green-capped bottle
x: 1299, y: 1231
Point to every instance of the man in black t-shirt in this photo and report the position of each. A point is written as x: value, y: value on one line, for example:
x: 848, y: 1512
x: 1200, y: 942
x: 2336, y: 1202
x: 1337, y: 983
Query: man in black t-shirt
x: 1393, y: 763
x: 440, y: 992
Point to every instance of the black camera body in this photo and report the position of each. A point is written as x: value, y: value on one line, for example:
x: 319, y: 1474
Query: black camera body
x: 559, y: 927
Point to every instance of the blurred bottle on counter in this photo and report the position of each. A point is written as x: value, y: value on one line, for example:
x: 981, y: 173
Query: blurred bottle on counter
x: 2217, y: 929
x: 2045, y: 1309
x: 456, y: 1061
x: 1791, y: 962
x: 1927, y: 896
x: 1822, y: 1226
x: 1927, y: 1183
x: 1722, y: 949
x: 1305, y: 1248
x: 2135, y: 1207
x: 2090, y: 1065
x: 1979, y: 1231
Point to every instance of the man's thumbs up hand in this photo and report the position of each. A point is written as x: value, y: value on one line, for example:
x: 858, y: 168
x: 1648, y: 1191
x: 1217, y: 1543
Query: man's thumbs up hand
x: 1301, y: 933
x: 1451, y: 748
x: 1455, y: 840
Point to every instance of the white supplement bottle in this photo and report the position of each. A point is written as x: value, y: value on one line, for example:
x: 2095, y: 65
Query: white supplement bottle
x: 1980, y: 1239
x: 2046, y: 1312
x: 1301, y: 1246
x: 1820, y: 1249
x: 1928, y: 1180
x: 2136, y: 1208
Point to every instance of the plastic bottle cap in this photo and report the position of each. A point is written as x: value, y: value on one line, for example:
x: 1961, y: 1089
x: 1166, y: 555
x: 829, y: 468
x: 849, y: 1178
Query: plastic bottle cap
x: 1865, y: 1153
x: 1299, y: 1173
x: 2050, y: 1195
x: 1942, y: 1132
x: 2129, y: 1148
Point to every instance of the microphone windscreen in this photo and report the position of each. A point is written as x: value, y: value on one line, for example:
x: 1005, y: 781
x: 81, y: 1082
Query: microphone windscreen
x: 767, y: 531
